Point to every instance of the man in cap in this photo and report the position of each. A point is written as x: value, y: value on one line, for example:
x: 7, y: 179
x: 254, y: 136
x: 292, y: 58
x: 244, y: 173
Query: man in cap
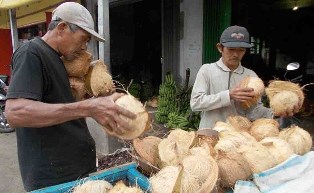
x: 53, y: 141
x: 215, y: 92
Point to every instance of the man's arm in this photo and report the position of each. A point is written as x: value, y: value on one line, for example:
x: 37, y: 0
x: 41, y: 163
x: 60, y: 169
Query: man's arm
x: 29, y: 113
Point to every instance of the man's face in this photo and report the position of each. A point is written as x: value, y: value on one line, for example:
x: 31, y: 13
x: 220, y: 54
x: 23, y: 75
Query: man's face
x: 72, y: 43
x: 231, y: 57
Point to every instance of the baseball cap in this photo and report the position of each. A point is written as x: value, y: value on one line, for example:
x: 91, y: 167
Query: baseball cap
x: 77, y: 14
x: 235, y: 37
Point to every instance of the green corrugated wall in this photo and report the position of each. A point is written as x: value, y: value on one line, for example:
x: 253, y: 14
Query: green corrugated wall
x: 217, y: 16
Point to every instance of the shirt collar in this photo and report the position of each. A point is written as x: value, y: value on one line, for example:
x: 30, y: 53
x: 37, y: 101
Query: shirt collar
x: 222, y: 66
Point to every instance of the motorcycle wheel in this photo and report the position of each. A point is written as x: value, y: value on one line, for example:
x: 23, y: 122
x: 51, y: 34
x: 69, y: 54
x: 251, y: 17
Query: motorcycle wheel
x: 5, y: 128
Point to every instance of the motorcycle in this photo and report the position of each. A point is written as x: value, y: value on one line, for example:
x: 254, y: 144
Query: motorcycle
x: 4, y: 126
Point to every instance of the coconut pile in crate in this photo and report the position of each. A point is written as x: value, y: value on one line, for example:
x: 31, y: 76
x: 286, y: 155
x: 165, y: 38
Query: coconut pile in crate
x: 92, y: 78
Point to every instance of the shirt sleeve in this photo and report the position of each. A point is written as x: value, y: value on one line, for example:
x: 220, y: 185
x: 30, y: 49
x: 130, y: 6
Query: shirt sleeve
x: 27, y: 76
x: 201, y: 100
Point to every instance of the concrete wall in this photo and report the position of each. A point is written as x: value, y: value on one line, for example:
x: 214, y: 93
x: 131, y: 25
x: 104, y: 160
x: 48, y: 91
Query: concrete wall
x: 192, y: 42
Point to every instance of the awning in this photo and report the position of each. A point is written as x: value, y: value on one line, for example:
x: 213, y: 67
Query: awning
x: 11, y: 4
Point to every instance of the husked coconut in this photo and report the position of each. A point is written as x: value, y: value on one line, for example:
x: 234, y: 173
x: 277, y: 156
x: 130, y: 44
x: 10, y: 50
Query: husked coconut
x: 166, y: 180
x: 279, y: 148
x: 257, y: 84
x: 120, y: 187
x: 281, y: 87
x: 93, y: 186
x: 207, y: 144
x: 139, y: 125
x: 240, y: 123
x: 78, y: 88
x: 147, y: 148
x: 264, y: 127
x: 77, y: 65
x: 98, y: 80
x: 183, y: 138
x: 283, y: 102
x: 222, y: 126
x: 232, y: 167
x: 299, y: 139
x: 199, y: 174
x: 258, y: 157
x: 231, y: 140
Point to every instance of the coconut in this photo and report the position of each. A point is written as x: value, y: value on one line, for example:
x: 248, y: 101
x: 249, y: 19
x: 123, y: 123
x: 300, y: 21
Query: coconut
x: 182, y: 137
x: 231, y: 140
x: 199, y: 174
x: 258, y: 157
x: 299, y: 139
x: 283, y: 102
x: 264, y: 127
x: 257, y: 84
x: 139, y: 125
x: 166, y: 180
x: 240, y: 123
x: 120, y: 187
x: 98, y: 80
x: 222, y: 126
x: 289, y: 99
x: 78, y: 65
x: 279, y: 148
x: 77, y: 88
x: 232, y: 167
x: 207, y: 143
x: 92, y: 186
x: 147, y: 148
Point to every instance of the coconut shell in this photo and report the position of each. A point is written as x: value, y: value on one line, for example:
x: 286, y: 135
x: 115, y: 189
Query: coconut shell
x: 147, y: 148
x: 78, y: 65
x: 232, y: 167
x: 78, y: 88
x: 240, y: 123
x: 139, y: 125
x: 98, y: 80
x: 262, y: 128
x: 257, y: 84
x: 283, y: 102
x: 299, y: 139
x: 279, y: 148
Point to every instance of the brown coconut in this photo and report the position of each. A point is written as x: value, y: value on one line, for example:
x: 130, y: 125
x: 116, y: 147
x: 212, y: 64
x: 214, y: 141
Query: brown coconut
x: 257, y: 84
x: 232, y: 167
x: 240, y: 123
x: 147, y: 148
x: 199, y: 174
x: 283, y: 102
x: 78, y: 65
x: 231, y: 140
x: 279, y: 148
x: 299, y: 139
x: 98, y: 80
x: 139, y: 125
x: 93, y: 186
x: 277, y: 86
x: 166, y: 180
x: 78, y: 88
x: 264, y: 127
x: 258, y: 157
x: 182, y: 137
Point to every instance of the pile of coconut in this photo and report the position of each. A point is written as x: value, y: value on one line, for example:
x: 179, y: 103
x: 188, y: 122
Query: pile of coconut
x: 92, y: 78
x: 102, y: 186
x: 195, y: 161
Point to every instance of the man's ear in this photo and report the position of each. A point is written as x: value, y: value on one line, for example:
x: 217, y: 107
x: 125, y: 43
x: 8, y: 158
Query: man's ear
x: 61, y: 27
x: 219, y: 47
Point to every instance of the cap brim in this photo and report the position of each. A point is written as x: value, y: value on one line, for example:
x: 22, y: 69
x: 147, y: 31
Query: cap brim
x: 237, y: 45
x: 93, y: 33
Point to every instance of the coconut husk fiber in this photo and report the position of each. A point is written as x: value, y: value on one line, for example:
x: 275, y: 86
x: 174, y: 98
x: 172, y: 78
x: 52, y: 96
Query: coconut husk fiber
x: 98, y: 80
x: 139, y: 125
x: 240, y: 123
x: 280, y: 97
x: 264, y: 127
x: 78, y: 65
x: 78, y: 88
x: 257, y: 84
x: 147, y: 148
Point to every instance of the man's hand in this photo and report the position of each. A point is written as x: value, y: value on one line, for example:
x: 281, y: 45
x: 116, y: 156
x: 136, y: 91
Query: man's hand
x: 107, y: 113
x: 241, y: 94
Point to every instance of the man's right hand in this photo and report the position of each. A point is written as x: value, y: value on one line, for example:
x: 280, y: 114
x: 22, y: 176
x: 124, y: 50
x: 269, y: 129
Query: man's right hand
x: 241, y: 94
